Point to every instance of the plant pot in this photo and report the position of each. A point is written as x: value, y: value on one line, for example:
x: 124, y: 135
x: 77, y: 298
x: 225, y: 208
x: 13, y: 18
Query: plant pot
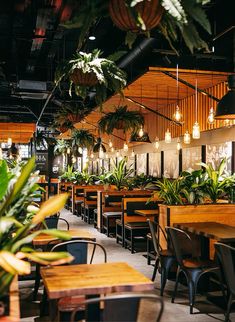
x: 74, y: 118
x: 83, y: 79
x: 150, y: 11
x: 4, y: 305
x: 119, y: 125
x: 62, y: 129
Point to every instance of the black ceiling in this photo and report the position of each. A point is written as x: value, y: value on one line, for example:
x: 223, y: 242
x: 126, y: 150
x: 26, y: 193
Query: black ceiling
x: 32, y: 42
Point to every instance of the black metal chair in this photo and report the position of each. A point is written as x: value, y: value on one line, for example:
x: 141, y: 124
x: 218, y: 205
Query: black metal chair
x: 193, y: 268
x: 164, y: 257
x: 84, y: 252
x: 122, y: 307
x: 226, y: 258
x: 53, y: 221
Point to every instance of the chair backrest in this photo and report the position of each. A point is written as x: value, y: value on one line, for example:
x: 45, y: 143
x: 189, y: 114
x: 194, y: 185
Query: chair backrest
x: 83, y: 251
x: 226, y: 257
x: 179, y: 240
x: 53, y: 221
x: 124, y: 307
x: 156, y: 230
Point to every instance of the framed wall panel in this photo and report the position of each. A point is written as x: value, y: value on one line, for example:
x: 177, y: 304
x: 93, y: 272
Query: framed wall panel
x: 94, y: 166
x: 141, y: 163
x: 216, y: 152
x: 190, y: 157
x: 106, y: 165
x: 90, y: 167
x: 171, y: 164
x: 154, y: 165
x: 131, y: 164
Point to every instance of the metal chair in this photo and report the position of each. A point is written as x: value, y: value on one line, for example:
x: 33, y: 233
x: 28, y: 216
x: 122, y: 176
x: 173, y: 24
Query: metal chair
x: 225, y: 256
x: 192, y: 268
x: 122, y: 307
x: 164, y: 257
x: 53, y: 221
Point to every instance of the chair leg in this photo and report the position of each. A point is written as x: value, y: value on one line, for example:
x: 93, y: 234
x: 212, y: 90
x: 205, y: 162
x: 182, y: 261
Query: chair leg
x: 191, y: 289
x: 228, y: 308
x: 156, y: 265
x: 164, y: 275
x: 176, y: 285
x: 37, y: 282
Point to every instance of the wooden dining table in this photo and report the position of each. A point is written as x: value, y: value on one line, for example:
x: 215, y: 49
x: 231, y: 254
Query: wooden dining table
x: 209, y: 230
x: 148, y: 213
x: 44, y: 239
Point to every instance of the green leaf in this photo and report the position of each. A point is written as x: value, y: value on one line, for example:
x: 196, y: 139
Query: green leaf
x: 4, y: 179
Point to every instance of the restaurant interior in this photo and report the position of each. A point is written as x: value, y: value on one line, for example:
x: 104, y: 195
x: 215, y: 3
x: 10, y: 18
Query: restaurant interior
x: 117, y: 160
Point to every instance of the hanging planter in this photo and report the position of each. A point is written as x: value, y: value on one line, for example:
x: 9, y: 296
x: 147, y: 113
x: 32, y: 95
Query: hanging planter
x: 143, y: 17
x: 83, y: 79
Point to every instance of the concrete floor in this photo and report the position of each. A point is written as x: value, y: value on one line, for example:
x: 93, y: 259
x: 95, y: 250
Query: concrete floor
x: 204, y: 310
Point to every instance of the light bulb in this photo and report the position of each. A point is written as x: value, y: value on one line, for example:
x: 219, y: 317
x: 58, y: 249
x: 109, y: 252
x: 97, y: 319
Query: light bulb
x: 156, y: 143
x: 106, y: 156
x: 177, y: 115
x: 68, y: 150
x: 0, y: 153
x: 110, y: 144
x: 80, y: 150
x: 141, y: 132
x: 178, y: 145
x: 117, y: 154
x: 73, y: 159
x: 211, y: 116
x: 196, y: 131
x: 125, y: 147
x: 3, y: 145
x: 9, y: 141
x: 92, y: 155
x: 112, y: 149
x: 187, y: 138
x: 167, y: 136
x: 132, y: 153
x: 92, y: 37
x: 101, y: 153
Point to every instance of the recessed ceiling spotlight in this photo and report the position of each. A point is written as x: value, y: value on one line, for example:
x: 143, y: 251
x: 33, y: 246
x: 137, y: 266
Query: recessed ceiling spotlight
x: 92, y: 37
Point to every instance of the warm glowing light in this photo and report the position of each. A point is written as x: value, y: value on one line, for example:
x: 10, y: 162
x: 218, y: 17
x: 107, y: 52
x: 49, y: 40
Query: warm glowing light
x: 101, y: 153
x: 196, y: 131
x: 68, y: 150
x: 177, y: 115
x: 167, y: 136
x: 0, y: 153
x: 227, y: 123
x: 156, y: 143
x: 112, y: 149
x: 117, y: 154
x: 110, y: 143
x: 211, y: 116
x: 187, y: 138
x: 125, y: 147
x: 80, y: 150
x: 178, y: 145
x: 92, y: 37
x: 73, y: 159
x: 92, y: 155
x: 132, y: 153
x: 9, y: 141
x: 141, y: 132
x: 3, y: 145
x: 106, y: 156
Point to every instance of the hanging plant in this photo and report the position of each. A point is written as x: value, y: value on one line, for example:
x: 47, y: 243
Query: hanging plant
x: 61, y: 146
x: 82, y: 138
x: 74, y: 112
x: 62, y: 124
x: 121, y: 118
x: 87, y: 71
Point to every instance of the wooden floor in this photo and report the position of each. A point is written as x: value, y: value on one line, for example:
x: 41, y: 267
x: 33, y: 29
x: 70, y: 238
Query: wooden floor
x: 179, y: 311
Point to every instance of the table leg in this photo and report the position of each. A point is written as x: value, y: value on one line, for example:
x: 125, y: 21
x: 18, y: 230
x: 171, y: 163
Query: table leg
x: 93, y: 310
x: 205, y: 247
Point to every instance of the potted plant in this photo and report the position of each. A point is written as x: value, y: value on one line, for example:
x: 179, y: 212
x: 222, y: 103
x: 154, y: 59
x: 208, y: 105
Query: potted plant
x: 61, y: 147
x: 68, y: 176
x: 121, y: 118
x: 82, y: 138
x: 105, y: 179
x: 19, y: 218
x: 87, y: 71
x: 120, y: 174
x: 61, y: 124
x: 73, y: 112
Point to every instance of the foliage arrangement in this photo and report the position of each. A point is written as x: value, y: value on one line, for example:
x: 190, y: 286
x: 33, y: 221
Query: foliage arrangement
x: 61, y: 124
x: 142, y: 181
x: 178, y: 19
x: 105, y: 75
x: 68, y: 175
x: 82, y: 138
x: 61, y: 146
x: 73, y: 112
x: 121, y: 174
x: 121, y: 118
x: 19, y: 218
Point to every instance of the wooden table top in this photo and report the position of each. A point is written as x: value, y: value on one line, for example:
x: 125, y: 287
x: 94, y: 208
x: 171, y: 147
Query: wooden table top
x: 214, y: 230
x: 147, y: 212
x: 44, y: 239
x: 89, y: 279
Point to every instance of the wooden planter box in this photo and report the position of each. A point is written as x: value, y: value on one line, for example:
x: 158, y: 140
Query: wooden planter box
x: 223, y: 213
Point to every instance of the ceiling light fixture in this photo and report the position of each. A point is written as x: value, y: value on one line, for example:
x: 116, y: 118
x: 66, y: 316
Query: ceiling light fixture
x: 178, y: 145
x: 177, y: 115
x: 167, y: 136
x: 125, y: 147
x: 132, y: 153
x: 9, y: 141
x: 211, y: 116
x: 156, y: 143
x: 226, y: 106
x: 141, y: 132
x: 92, y: 37
x: 187, y: 138
x: 196, y: 126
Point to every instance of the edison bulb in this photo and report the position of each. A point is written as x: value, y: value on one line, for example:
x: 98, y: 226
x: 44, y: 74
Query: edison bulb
x: 141, y: 132
x: 196, y: 131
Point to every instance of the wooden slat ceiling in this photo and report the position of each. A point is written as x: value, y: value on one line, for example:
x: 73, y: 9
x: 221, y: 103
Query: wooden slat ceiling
x: 157, y: 90
x: 19, y: 132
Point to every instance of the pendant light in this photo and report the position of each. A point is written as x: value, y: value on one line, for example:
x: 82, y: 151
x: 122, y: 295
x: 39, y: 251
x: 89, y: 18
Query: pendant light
x: 211, y: 116
x: 68, y: 150
x: 106, y: 156
x: 80, y: 150
x: 112, y: 149
x: 132, y: 153
x: 156, y: 143
x: 141, y: 132
x: 196, y: 126
x: 110, y: 143
x: 226, y: 106
x: 167, y: 136
x: 9, y: 141
x: 117, y: 154
x: 92, y: 155
x: 177, y: 115
x: 125, y: 147
x: 187, y: 138
x: 178, y: 145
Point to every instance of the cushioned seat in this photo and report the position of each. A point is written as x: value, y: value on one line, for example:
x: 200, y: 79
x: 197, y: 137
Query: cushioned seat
x: 109, y: 221
x: 137, y: 225
x: 135, y: 231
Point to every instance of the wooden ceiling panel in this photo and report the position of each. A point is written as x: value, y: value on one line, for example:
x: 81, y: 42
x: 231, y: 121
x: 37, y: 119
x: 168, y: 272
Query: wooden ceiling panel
x: 18, y: 132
